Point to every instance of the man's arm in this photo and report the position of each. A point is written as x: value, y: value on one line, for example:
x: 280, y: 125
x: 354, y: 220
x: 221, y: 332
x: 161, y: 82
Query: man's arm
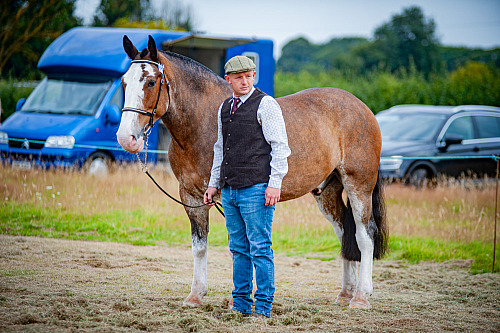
x: 273, y: 127
x: 218, y: 156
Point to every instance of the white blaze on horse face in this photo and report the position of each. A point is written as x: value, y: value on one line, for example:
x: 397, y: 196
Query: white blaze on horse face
x: 134, y: 80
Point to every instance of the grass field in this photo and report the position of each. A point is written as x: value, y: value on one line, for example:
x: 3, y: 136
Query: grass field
x: 449, y: 222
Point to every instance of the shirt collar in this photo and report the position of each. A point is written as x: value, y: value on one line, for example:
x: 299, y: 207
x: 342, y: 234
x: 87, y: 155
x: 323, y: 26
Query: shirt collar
x: 246, y: 96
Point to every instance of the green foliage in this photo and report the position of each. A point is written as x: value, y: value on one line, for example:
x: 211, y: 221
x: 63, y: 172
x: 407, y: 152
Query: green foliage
x: 455, y: 57
x: 476, y: 82
x: 26, y: 30
x: 109, y: 11
x: 299, y: 54
x: 406, y: 43
x: 473, y: 84
x: 408, y: 38
x: 10, y: 93
x: 172, y: 15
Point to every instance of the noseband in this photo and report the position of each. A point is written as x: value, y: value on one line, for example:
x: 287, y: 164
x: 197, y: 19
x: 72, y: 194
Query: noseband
x: 163, y: 80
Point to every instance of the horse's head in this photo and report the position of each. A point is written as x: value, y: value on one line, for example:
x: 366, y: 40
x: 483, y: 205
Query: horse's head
x: 146, y: 89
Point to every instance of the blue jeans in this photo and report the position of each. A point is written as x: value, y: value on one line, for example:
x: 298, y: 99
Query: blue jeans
x: 249, y: 224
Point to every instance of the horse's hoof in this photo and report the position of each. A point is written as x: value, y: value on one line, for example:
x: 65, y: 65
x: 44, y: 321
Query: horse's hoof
x: 192, y: 301
x: 360, y: 305
x: 360, y: 301
x: 343, y: 298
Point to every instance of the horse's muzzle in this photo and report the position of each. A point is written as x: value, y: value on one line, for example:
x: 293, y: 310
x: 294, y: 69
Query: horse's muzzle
x: 131, y: 144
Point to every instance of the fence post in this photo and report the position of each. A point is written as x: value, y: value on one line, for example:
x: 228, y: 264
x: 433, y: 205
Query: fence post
x: 495, y: 232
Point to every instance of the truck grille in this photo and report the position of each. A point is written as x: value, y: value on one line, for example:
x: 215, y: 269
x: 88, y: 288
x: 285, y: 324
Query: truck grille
x: 25, y: 143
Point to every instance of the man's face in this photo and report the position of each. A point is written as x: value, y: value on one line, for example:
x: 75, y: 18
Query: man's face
x: 241, y: 83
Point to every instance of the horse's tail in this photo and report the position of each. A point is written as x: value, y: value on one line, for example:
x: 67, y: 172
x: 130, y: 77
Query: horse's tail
x: 350, y: 250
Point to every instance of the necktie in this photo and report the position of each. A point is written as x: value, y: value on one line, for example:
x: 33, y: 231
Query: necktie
x: 235, y: 105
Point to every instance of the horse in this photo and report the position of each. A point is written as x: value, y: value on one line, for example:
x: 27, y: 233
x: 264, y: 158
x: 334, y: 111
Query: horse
x: 334, y: 138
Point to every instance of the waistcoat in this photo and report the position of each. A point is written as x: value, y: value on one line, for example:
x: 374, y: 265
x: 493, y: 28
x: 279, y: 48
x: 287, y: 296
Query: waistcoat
x: 246, y: 155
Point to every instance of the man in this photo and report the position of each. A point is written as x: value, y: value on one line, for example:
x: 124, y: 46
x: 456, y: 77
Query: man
x: 250, y: 161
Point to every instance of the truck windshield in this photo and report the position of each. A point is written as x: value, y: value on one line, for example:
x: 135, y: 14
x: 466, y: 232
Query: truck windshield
x: 410, y: 127
x: 67, y: 96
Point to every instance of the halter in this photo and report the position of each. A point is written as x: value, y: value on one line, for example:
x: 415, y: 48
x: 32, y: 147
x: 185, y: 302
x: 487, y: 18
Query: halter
x: 163, y: 80
x: 151, y: 115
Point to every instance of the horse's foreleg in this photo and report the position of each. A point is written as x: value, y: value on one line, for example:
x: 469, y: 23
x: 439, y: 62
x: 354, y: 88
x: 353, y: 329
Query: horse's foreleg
x: 199, y: 236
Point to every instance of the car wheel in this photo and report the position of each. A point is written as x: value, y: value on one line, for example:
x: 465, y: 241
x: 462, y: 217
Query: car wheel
x: 419, y: 177
x: 98, y: 164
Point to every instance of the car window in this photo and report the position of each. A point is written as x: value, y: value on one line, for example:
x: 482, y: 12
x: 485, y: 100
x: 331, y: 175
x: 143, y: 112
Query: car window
x: 462, y: 127
x: 118, y: 98
x: 489, y: 127
x: 410, y: 126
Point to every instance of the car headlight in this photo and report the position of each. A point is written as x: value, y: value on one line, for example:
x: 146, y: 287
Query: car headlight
x: 60, y: 142
x: 390, y: 163
x: 4, y: 138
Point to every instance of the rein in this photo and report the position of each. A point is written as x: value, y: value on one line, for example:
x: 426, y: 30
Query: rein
x: 147, y: 131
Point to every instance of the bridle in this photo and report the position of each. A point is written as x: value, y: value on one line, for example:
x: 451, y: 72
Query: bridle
x: 150, y: 126
x: 163, y: 80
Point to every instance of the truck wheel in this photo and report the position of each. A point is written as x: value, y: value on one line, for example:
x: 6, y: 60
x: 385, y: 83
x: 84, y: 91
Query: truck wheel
x: 98, y: 164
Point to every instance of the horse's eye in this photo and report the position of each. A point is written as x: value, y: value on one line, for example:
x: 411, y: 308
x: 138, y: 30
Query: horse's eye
x: 151, y: 83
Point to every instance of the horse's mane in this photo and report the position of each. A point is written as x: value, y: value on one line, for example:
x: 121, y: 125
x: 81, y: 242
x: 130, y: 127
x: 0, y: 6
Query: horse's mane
x: 194, y: 71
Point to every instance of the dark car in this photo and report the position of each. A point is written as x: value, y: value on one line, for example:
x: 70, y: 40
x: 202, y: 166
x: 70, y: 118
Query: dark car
x: 413, y: 131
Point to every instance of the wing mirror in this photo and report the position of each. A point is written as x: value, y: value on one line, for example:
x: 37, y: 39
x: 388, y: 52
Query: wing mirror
x: 112, y: 114
x: 449, y: 140
x: 20, y: 104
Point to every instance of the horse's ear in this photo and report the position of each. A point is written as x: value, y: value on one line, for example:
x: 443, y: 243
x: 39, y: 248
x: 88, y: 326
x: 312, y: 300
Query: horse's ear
x: 129, y: 48
x: 153, y: 52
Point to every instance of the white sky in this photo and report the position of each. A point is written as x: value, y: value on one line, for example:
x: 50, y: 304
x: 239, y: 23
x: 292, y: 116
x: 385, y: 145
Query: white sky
x: 471, y: 23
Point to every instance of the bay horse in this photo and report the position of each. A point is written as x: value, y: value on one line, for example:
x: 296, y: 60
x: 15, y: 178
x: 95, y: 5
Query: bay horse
x: 334, y: 138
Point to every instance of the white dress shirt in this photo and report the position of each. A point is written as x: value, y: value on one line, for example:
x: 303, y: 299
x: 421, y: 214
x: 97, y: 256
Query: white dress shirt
x: 270, y: 118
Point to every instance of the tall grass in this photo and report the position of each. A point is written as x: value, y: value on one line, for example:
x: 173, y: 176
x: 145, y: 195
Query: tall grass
x: 441, y: 223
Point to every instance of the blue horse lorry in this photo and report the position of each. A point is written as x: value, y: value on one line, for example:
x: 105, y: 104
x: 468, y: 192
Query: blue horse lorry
x: 71, y: 117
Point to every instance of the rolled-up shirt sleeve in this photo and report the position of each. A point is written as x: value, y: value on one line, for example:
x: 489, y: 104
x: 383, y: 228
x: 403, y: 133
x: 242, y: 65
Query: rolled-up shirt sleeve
x: 218, y: 154
x: 271, y: 119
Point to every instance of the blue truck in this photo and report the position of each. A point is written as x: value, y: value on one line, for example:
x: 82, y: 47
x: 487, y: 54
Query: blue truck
x: 71, y: 117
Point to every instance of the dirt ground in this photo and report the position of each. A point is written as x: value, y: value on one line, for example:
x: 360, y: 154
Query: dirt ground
x: 52, y: 285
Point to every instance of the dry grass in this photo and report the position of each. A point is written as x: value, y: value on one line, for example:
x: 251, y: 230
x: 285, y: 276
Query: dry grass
x: 74, y: 286
x: 454, y: 212
x: 126, y: 188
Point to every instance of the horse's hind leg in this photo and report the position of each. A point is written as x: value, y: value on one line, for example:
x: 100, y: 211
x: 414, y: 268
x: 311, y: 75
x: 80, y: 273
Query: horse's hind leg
x: 199, y: 236
x: 359, y: 193
x: 332, y: 207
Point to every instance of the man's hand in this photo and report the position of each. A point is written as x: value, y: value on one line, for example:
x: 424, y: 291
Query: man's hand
x: 209, y: 195
x: 272, y: 195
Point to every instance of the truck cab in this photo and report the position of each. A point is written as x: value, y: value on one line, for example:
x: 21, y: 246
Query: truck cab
x: 71, y: 117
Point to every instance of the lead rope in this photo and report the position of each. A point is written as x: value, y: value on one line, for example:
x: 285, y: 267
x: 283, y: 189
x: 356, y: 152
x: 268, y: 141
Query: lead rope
x: 144, y: 168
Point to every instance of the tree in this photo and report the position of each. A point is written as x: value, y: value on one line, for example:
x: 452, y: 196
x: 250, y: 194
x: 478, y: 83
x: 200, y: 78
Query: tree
x: 141, y: 14
x: 109, y: 11
x: 27, y: 27
x: 295, y: 55
x: 409, y: 38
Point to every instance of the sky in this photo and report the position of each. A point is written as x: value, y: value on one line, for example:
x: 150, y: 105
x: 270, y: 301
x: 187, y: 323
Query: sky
x: 470, y: 23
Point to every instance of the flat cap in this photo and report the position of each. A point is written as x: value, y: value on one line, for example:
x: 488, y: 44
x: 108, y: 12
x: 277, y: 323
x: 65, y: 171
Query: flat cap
x: 239, y: 64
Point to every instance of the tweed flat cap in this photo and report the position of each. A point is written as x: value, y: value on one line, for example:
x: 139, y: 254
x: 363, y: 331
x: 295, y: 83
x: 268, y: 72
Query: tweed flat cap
x: 239, y: 64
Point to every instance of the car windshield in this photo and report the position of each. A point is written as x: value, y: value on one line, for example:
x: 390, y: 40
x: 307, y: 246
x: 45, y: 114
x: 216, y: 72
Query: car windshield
x: 410, y: 127
x: 67, y: 96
